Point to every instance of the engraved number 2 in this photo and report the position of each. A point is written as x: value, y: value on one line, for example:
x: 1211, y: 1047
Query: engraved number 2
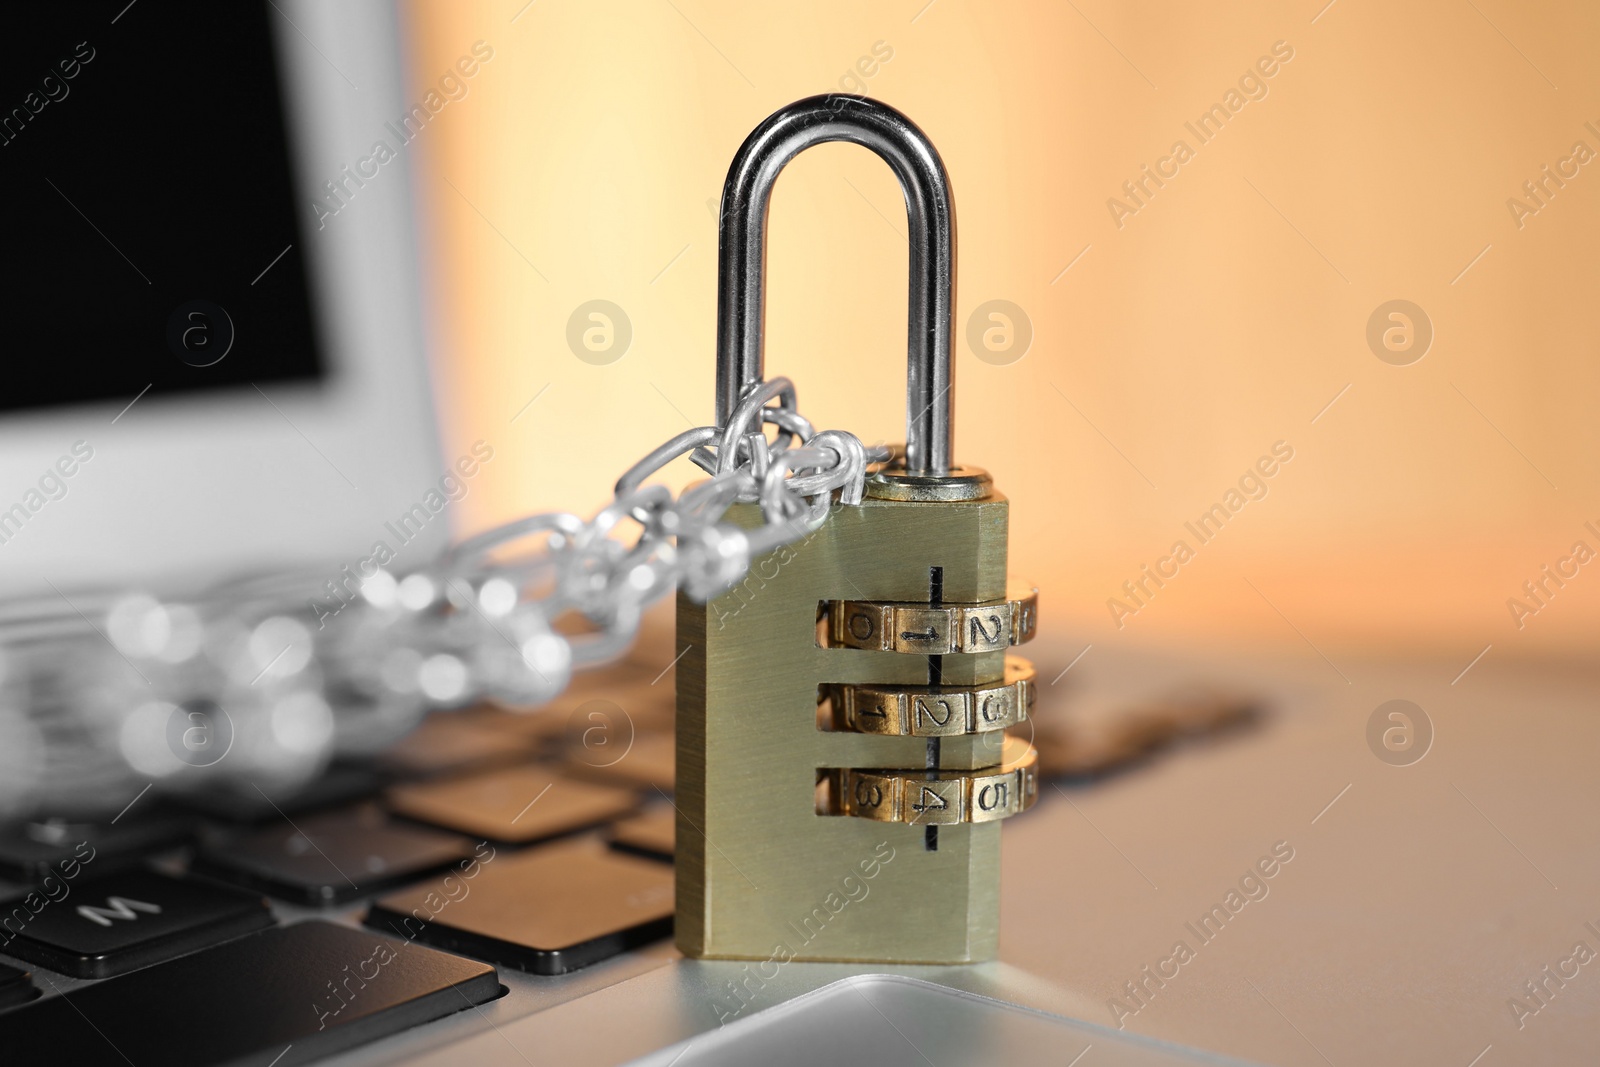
x: 982, y: 636
x: 925, y: 709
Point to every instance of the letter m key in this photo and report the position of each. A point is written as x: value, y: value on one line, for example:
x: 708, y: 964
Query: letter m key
x: 117, y: 908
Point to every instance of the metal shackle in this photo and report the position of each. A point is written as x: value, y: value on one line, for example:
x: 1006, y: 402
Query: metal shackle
x: 931, y: 225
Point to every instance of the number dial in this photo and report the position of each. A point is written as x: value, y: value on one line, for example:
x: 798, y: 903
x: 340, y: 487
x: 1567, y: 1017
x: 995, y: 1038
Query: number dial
x: 936, y: 798
x: 936, y: 711
x: 924, y: 630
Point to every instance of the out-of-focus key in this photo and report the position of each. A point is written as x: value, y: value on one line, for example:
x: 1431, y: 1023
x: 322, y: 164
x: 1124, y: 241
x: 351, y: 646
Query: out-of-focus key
x: 515, y: 805
x: 549, y: 910
x: 247, y: 803
x: 284, y: 996
x: 651, y: 834
x: 643, y: 692
x: 31, y: 851
x: 331, y: 858
x: 16, y: 987
x: 448, y: 742
x: 129, y: 920
x: 1086, y: 746
x: 649, y: 762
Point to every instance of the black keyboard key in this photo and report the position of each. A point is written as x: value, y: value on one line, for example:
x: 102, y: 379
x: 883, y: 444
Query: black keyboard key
x: 245, y: 803
x: 113, y: 925
x: 284, y: 996
x: 549, y: 910
x: 31, y: 851
x: 331, y: 858
x: 15, y: 987
x: 514, y: 804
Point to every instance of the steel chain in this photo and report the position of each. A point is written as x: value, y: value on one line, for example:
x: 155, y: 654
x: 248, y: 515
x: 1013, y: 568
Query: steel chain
x: 253, y: 683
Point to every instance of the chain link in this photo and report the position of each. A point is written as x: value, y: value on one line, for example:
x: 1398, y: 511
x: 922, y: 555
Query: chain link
x: 238, y: 686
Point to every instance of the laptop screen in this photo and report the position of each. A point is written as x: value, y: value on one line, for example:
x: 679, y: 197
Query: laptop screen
x: 153, y: 239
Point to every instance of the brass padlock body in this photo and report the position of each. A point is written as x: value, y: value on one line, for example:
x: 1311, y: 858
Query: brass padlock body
x: 760, y: 874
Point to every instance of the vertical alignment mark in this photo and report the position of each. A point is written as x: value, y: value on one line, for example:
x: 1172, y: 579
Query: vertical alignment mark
x: 930, y: 834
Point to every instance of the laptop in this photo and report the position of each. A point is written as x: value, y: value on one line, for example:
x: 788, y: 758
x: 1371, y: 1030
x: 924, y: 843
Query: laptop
x: 211, y: 293
x: 219, y: 370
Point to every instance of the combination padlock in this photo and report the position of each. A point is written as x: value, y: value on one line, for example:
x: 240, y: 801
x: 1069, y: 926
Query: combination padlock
x: 843, y: 761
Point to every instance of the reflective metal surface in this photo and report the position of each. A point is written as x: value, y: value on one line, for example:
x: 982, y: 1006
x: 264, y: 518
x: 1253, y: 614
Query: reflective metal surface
x: 755, y: 860
x: 931, y: 226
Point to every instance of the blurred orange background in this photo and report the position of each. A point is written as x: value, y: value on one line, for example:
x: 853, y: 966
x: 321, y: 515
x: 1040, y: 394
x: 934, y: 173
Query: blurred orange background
x: 1174, y: 341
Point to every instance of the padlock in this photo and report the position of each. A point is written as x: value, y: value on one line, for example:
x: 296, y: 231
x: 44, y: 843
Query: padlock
x: 843, y: 761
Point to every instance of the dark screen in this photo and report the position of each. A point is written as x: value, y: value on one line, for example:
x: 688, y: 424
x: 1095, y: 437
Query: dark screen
x: 148, y: 203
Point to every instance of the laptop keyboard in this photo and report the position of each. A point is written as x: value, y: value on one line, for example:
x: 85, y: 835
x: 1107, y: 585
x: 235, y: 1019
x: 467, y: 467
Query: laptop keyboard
x: 536, y: 843
x: 484, y: 840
